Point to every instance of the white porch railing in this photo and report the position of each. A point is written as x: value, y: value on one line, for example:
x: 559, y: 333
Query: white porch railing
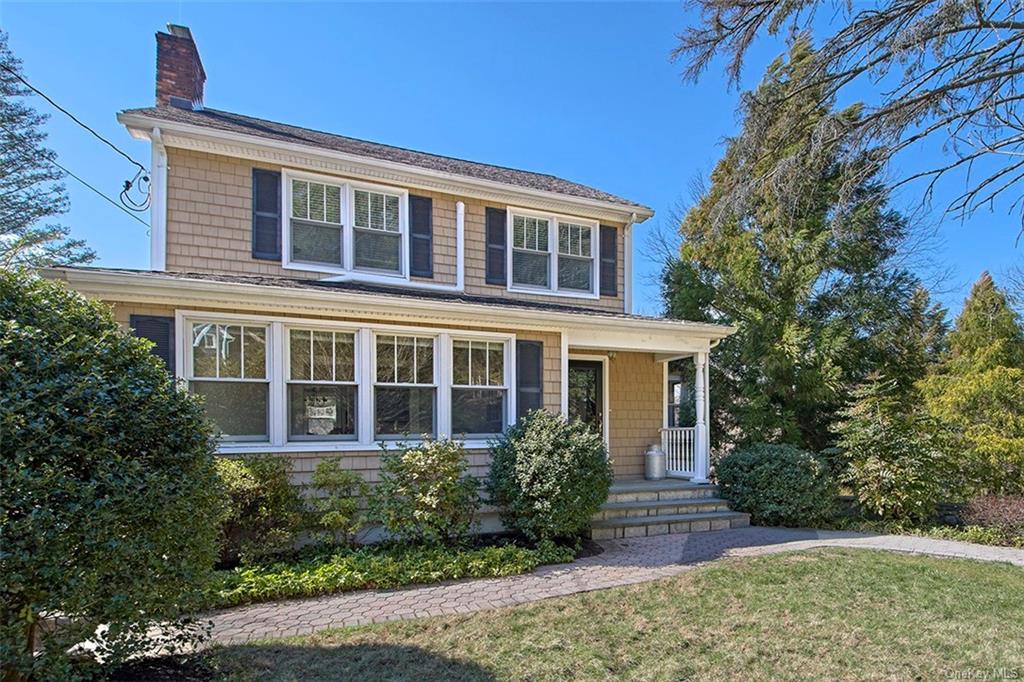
x: 680, y: 446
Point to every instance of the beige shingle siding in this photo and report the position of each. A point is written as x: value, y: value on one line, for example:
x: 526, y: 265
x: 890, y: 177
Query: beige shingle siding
x: 635, y: 395
x: 209, y: 229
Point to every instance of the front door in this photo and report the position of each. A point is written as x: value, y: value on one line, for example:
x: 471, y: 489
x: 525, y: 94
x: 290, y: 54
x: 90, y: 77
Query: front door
x: 586, y: 393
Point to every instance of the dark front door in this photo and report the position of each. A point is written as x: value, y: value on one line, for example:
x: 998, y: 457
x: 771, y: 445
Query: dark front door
x: 586, y: 401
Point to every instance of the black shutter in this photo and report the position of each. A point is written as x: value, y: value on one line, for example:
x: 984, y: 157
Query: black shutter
x: 421, y: 236
x: 266, y: 214
x: 159, y: 330
x: 609, y: 261
x: 529, y: 377
x: 495, y: 253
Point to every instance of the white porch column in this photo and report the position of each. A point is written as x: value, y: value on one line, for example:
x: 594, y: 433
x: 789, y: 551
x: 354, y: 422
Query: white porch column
x: 701, y: 451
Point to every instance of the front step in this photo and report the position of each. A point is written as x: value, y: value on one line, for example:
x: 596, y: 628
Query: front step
x: 644, y: 508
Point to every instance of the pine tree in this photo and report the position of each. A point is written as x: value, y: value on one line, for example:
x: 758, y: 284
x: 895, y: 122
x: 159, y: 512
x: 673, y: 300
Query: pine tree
x: 30, y: 189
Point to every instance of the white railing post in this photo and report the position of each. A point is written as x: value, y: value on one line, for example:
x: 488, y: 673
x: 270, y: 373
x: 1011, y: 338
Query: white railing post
x: 700, y: 450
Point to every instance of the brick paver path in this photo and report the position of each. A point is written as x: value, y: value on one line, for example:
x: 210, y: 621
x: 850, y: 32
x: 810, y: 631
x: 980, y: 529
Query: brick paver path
x: 624, y: 562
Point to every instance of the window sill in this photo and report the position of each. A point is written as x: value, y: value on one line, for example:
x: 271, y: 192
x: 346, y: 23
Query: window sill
x: 556, y: 294
x: 242, y: 448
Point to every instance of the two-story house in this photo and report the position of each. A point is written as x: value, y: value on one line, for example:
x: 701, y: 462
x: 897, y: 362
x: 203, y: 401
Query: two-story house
x: 325, y: 294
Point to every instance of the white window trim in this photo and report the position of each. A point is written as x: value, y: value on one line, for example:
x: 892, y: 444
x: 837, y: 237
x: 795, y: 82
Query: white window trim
x: 348, y: 188
x: 506, y: 379
x: 288, y: 380
x: 277, y: 365
x: 553, y: 219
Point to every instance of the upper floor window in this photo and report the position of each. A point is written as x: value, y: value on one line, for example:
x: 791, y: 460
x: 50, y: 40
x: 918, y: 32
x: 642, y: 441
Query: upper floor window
x: 336, y: 226
x: 569, y: 270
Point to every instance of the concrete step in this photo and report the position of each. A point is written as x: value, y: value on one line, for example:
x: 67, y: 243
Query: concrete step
x: 615, y: 510
x: 654, y: 491
x: 645, y: 526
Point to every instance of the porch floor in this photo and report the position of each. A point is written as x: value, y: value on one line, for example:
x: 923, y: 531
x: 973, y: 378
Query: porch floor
x: 630, y: 485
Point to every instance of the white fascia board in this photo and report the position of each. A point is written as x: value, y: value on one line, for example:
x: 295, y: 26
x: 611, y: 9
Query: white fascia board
x: 200, y: 138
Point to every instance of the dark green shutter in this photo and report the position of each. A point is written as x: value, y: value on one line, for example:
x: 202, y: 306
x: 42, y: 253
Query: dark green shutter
x: 421, y: 236
x: 529, y: 377
x: 609, y: 261
x: 494, y: 268
x: 266, y: 214
x: 159, y: 330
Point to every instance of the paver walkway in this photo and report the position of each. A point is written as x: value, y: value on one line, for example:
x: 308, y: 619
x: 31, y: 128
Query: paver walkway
x: 624, y: 562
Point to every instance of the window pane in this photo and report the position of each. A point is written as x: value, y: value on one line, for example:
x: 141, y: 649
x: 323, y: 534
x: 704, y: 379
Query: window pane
x: 386, y: 359
x: 323, y: 360
x: 404, y: 411
x: 519, y: 232
x: 529, y: 268
x: 239, y: 410
x: 424, y: 361
x: 316, y: 201
x: 344, y: 357
x: 377, y: 250
x: 362, y: 202
x: 321, y: 412
x: 478, y: 411
x: 376, y: 211
x: 563, y: 238
x: 478, y: 364
x: 585, y: 241
x: 460, y: 362
x: 255, y: 339
x: 406, y: 359
x: 299, y: 359
x: 230, y: 343
x: 204, y: 350
x: 542, y: 235
x: 574, y: 273
x: 333, y: 210
x: 300, y: 199
x: 391, y: 214
x: 496, y: 351
x: 316, y: 243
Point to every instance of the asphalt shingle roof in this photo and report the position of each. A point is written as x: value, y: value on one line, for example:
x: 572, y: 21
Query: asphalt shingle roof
x: 247, y: 125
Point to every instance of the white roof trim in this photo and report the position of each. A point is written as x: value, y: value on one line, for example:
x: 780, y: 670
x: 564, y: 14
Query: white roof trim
x: 254, y: 147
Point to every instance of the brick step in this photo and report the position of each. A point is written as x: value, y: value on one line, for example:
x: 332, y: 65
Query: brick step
x: 654, y: 492
x: 643, y: 526
x: 615, y: 510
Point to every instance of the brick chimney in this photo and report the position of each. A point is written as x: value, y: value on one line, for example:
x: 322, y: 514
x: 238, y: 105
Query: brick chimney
x: 179, y: 70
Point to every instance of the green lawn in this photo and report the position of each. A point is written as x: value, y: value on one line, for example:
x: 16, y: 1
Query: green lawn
x: 821, y: 615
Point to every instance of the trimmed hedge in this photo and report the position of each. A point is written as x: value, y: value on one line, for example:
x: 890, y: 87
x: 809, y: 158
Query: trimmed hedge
x: 778, y: 485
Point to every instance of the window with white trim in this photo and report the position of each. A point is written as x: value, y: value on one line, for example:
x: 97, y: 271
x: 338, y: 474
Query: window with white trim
x: 378, y: 238
x: 317, y: 229
x: 405, y: 393
x: 479, y: 388
x: 531, y: 254
x: 227, y: 365
x: 322, y: 389
x: 575, y: 257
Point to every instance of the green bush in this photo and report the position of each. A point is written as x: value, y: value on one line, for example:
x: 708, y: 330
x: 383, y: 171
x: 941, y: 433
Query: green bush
x: 110, y: 499
x: 549, y: 476
x: 778, y: 485
x: 265, y: 511
x: 336, y: 517
x: 425, y: 493
x: 379, y: 567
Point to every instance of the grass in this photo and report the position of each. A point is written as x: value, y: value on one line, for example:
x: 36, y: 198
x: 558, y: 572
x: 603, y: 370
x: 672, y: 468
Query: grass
x: 823, y: 614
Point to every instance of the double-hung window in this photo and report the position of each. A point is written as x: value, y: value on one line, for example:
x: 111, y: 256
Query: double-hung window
x: 227, y: 365
x: 378, y: 238
x: 479, y: 388
x: 575, y: 257
x: 322, y: 389
x: 531, y: 254
x: 554, y: 254
x: 405, y: 393
x: 317, y: 229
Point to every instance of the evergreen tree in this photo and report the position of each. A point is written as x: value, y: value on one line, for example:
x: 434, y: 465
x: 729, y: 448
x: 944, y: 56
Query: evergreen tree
x: 807, y: 284
x: 978, y: 391
x: 30, y: 189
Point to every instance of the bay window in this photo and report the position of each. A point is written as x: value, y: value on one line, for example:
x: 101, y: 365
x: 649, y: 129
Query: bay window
x: 227, y: 365
x: 479, y: 388
x: 404, y: 391
x: 322, y: 389
x: 552, y: 254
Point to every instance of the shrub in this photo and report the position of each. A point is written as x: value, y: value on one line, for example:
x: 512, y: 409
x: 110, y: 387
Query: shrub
x: 108, y: 486
x: 778, y: 485
x: 549, y: 476
x: 425, y: 493
x: 1003, y: 513
x: 265, y: 511
x: 898, y: 457
x: 335, y: 513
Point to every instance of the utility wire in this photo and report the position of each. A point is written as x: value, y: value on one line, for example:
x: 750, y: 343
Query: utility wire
x: 71, y: 116
x: 68, y: 172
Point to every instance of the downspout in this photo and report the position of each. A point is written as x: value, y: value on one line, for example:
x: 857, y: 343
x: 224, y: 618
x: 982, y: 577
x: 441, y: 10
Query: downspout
x: 628, y: 274
x: 460, y: 246
x: 158, y: 204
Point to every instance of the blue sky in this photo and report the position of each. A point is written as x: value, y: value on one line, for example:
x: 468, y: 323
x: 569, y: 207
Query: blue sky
x: 584, y: 91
